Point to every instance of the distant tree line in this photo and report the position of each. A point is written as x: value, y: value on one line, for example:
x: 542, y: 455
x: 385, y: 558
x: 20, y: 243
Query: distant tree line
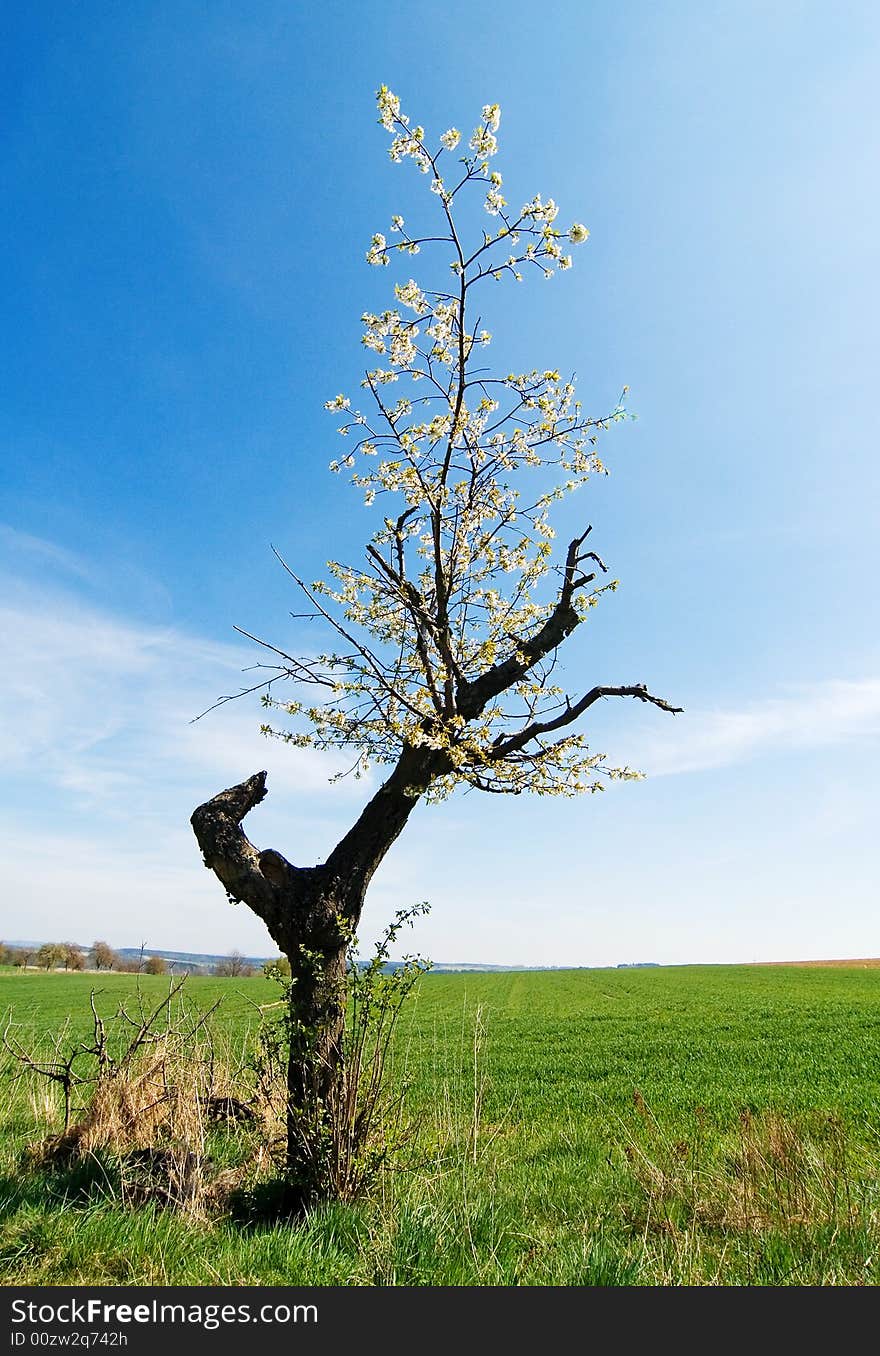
x: 101, y: 956
x: 69, y: 956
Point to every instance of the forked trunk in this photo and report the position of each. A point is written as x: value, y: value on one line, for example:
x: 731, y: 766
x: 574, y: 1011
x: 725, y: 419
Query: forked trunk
x: 311, y: 913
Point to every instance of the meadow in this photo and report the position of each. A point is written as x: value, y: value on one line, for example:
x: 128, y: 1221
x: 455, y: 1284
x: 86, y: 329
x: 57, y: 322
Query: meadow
x: 677, y: 1126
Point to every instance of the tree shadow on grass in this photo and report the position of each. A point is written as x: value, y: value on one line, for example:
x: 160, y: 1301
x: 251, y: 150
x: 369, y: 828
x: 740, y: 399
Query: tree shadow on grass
x: 260, y: 1204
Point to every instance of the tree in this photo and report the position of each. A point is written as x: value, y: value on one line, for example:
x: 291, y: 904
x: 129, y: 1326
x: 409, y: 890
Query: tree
x: 156, y: 965
x: 444, y: 639
x: 72, y: 956
x: 103, y: 956
x: 49, y: 955
x: 233, y: 966
x: 279, y: 968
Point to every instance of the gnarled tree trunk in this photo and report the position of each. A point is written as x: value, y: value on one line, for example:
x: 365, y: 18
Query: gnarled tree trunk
x: 311, y: 912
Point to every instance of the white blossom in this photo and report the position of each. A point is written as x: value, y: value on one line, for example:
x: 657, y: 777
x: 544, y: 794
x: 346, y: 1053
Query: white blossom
x: 377, y: 253
x: 483, y: 142
x: 492, y: 116
x: 389, y: 107
x: 412, y: 296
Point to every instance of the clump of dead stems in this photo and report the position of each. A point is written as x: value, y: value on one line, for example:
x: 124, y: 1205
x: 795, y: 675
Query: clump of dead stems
x: 768, y: 1173
x: 152, y: 1091
x: 147, y: 1091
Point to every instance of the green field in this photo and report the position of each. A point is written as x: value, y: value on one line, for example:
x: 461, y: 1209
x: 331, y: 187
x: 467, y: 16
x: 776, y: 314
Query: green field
x: 701, y: 1125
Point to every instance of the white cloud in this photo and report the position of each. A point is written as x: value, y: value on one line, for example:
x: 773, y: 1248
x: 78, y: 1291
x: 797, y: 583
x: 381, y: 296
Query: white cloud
x: 103, y: 765
x: 806, y: 716
x: 93, y: 707
x: 24, y: 547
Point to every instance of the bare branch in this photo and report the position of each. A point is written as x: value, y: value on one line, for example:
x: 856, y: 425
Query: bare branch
x: 422, y: 620
x: 502, y: 747
x: 367, y: 655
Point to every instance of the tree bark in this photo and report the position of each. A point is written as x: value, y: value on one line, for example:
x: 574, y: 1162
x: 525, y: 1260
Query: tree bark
x: 311, y: 913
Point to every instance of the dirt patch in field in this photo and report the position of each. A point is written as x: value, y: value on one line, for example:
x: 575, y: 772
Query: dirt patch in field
x: 867, y: 964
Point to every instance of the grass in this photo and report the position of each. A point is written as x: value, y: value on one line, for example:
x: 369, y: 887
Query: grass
x: 693, y: 1126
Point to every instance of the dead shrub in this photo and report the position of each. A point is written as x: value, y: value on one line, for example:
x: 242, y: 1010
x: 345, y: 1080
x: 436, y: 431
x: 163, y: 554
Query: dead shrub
x: 148, y: 1091
x: 768, y: 1173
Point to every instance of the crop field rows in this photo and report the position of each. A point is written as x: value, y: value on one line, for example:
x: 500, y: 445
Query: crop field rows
x: 680, y: 1126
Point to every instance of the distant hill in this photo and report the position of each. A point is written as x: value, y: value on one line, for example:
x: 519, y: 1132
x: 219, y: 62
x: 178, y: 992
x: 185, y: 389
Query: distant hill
x: 203, y: 963
x: 189, y: 962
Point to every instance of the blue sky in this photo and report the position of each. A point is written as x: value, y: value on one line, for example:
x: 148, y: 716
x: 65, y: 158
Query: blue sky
x: 188, y: 194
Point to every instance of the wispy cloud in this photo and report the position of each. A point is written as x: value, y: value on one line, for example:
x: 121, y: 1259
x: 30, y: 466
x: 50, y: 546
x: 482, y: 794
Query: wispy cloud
x: 94, y: 707
x: 23, y: 547
x: 811, y: 715
x: 103, y: 765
